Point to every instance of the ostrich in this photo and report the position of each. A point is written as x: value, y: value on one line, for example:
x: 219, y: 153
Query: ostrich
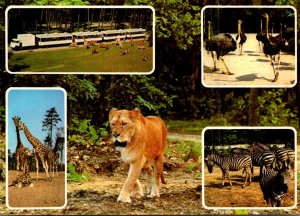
x: 222, y: 44
x: 241, y: 35
x: 259, y: 36
x: 271, y: 48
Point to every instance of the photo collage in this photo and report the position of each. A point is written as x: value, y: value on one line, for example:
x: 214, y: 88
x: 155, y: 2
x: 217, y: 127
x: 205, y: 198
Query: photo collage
x: 149, y: 107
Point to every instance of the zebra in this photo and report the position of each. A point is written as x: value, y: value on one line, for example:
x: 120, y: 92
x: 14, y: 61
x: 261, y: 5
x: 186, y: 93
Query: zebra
x: 274, y: 186
x: 291, y: 157
x: 259, y: 147
x: 230, y: 164
x: 239, y: 151
x: 282, y: 156
x: 263, y: 159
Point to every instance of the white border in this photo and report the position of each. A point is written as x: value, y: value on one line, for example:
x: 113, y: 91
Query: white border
x: 250, y: 128
x: 65, y: 144
x: 81, y: 7
x: 247, y: 86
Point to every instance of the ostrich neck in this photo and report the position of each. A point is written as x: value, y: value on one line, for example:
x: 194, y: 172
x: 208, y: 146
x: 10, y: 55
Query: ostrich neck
x: 34, y: 141
x: 267, y: 27
x: 281, y: 30
x: 261, y: 26
x: 209, y: 30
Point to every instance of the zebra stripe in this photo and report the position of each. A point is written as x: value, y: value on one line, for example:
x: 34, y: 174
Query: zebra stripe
x: 281, y: 158
x: 265, y: 159
x: 274, y: 186
x: 230, y: 164
x: 291, y: 157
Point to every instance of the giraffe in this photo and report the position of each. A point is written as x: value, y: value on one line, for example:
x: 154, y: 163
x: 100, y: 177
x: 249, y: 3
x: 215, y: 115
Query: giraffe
x: 41, y: 151
x: 23, y: 180
x: 59, y: 141
x: 22, y: 153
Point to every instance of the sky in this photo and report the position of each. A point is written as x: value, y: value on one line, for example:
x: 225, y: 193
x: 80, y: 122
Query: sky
x: 31, y: 105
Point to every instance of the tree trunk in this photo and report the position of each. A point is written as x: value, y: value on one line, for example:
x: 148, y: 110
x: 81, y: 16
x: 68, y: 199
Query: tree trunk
x: 253, y: 107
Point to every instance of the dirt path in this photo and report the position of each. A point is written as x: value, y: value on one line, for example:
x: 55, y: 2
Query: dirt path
x: 253, y: 69
x: 44, y: 193
x: 185, y: 137
x: 178, y: 196
x: 218, y: 196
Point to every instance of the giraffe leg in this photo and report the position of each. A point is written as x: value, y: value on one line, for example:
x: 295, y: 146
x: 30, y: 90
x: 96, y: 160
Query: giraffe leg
x: 36, y: 166
x: 46, y: 167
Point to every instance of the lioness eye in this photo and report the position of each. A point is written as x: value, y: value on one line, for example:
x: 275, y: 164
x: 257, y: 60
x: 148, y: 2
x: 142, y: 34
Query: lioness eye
x: 123, y: 124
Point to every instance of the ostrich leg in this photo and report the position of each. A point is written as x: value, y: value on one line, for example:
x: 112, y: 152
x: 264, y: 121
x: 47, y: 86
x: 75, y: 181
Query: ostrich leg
x: 214, y: 60
x: 275, y: 73
x: 223, y: 63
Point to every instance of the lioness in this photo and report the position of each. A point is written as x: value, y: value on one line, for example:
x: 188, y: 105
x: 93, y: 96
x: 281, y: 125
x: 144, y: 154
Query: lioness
x: 141, y: 141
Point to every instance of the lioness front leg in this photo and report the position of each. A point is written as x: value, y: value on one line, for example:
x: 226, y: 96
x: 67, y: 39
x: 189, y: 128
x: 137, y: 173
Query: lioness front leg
x: 137, y: 190
x: 133, y: 174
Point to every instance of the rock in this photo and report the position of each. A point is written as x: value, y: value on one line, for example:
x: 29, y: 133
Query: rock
x: 104, y: 149
x: 86, y: 157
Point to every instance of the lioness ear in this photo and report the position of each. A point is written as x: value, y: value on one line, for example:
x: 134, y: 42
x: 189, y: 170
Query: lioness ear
x: 134, y: 113
x: 111, y: 111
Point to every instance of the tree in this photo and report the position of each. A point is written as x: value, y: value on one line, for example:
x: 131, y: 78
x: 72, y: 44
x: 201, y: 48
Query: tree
x: 50, y: 121
x: 253, y: 107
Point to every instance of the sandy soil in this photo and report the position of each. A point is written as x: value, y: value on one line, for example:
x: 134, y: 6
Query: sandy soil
x: 44, y: 193
x: 236, y: 196
x: 252, y: 69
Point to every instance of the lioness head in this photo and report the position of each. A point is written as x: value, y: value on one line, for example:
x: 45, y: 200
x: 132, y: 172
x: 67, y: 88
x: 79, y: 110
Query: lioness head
x: 123, y: 125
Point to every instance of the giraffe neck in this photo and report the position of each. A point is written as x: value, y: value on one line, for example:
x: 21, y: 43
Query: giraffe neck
x: 19, y: 143
x: 34, y: 141
x: 58, y: 141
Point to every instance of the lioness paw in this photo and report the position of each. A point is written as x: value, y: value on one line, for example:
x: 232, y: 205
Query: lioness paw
x: 124, y: 199
x: 137, y: 194
x: 153, y: 195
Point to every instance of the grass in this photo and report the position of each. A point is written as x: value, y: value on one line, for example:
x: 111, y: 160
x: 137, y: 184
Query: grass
x: 192, y: 127
x: 79, y: 59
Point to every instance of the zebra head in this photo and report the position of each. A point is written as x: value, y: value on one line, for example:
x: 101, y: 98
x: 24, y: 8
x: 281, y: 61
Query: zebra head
x: 209, y: 164
x: 283, y: 180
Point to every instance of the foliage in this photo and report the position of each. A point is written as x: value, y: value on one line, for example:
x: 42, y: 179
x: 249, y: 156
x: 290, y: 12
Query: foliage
x: 173, y: 91
x: 241, y: 212
x: 191, y: 167
x: 141, y: 92
x: 73, y: 176
x: 174, y: 17
x: 84, y: 133
x: 2, y: 115
x: 215, y: 137
x: 193, y: 151
x: 275, y: 108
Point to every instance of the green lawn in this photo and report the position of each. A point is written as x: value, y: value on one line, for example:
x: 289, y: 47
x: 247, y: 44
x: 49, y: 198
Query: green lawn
x: 80, y: 59
x: 190, y: 127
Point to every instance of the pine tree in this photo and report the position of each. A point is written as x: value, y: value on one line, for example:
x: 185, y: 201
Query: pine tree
x: 50, y: 121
